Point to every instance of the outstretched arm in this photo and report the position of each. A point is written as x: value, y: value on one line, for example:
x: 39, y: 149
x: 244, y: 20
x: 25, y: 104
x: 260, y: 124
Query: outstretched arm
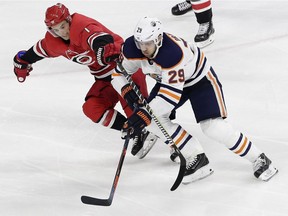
x: 23, y: 61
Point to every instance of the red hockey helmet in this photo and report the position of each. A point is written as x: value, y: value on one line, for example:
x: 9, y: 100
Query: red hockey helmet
x: 56, y: 14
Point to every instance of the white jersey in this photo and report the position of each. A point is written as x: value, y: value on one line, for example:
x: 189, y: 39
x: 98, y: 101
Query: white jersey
x: 176, y: 66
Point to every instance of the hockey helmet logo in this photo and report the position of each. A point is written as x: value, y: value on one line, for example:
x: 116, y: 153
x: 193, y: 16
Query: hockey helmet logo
x: 56, y: 14
x: 153, y: 23
x: 139, y: 30
x: 138, y: 35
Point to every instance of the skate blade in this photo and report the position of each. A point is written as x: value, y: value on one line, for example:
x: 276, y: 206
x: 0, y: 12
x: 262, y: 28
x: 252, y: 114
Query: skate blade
x: 198, y: 175
x: 268, y: 174
x: 144, y: 151
x: 206, y: 43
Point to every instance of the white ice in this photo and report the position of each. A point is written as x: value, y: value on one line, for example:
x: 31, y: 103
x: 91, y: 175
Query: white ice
x: 51, y: 154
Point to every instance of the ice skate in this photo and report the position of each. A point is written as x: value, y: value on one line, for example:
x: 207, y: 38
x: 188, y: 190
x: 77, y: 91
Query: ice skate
x: 181, y: 8
x: 143, y: 143
x: 197, y: 168
x: 205, y: 35
x: 263, y: 168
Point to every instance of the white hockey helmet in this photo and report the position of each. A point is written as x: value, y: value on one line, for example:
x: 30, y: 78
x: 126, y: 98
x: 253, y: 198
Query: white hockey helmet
x: 149, y: 29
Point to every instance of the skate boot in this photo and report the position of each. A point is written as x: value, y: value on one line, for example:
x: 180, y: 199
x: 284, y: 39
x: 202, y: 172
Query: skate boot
x: 263, y: 168
x: 197, y: 168
x: 181, y: 8
x: 205, y: 35
x: 143, y: 143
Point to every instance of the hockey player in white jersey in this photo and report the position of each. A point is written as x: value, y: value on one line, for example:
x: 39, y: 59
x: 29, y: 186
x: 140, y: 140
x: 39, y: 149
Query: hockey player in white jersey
x: 183, y: 73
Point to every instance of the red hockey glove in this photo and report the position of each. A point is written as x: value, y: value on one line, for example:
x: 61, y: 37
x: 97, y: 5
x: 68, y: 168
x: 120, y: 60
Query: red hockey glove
x: 21, y: 67
x: 107, y: 54
x: 136, y: 122
x: 111, y: 52
x: 130, y: 96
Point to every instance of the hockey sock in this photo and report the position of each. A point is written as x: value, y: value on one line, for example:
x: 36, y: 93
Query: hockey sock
x: 223, y: 132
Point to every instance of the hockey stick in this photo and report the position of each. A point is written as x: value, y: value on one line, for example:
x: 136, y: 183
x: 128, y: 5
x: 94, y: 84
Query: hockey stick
x: 107, y: 202
x: 163, y: 130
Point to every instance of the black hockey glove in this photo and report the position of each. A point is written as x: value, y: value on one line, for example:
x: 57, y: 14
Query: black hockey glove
x: 136, y: 122
x: 106, y: 50
x: 130, y: 96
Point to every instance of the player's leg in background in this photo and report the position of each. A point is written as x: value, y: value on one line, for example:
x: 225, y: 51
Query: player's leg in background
x: 203, y: 13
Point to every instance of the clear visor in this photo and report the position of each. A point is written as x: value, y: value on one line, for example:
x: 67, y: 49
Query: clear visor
x: 143, y: 45
x: 52, y: 32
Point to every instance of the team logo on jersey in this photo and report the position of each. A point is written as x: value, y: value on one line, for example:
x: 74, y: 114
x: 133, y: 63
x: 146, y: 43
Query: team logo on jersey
x: 80, y: 58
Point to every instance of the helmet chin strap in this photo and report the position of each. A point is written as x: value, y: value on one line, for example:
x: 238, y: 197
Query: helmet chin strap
x: 155, y: 53
x: 158, y: 45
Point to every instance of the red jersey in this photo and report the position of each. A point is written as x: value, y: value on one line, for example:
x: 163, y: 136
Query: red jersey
x: 83, y: 31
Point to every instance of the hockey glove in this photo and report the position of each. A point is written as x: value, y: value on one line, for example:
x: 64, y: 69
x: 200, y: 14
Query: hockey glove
x: 136, y: 122
x: 130, y: 96
x: 111, y: 53
x: 21, y: 67
x: 107, y: 54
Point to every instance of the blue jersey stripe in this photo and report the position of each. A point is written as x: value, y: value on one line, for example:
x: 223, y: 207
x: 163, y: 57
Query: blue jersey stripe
x: 167, y: 99
x: 178, y: 91
x: 238, y: 142
x: 247, y: 150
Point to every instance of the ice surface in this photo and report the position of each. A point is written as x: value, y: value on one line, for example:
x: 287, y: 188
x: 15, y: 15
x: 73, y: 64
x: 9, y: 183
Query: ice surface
x: 51, y: 154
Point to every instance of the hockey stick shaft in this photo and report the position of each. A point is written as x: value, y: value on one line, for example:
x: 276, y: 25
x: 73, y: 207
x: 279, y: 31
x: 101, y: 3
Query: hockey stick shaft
x: 107, y: 202
x: 160, y: 126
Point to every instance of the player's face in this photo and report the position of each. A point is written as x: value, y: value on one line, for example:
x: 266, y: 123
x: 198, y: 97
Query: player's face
x: 62, y: 29
x: 147, y: 48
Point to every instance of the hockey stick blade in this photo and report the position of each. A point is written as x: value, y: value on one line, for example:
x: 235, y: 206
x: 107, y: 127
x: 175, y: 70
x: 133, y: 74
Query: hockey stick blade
x: 181, y: 172
x: 95, y: 201
x: 107, y: 202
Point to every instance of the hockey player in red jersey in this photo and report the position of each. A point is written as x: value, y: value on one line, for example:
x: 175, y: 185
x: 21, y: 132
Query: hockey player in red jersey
x: 85, y: 41
x: 183, y: 73
x: 203, y: 13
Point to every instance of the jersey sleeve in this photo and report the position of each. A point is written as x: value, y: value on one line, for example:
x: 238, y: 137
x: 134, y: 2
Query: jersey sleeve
x: 128, y: 50
x: 49, y: 47
x: 41, y: 49
x: 118, y: 79
x: 169, y: 93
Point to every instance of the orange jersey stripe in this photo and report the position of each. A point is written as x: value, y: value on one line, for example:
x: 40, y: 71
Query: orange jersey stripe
x: 170, y: 94
x: 219, y: 95
x: 181, y: 137
x: 243, y: 145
